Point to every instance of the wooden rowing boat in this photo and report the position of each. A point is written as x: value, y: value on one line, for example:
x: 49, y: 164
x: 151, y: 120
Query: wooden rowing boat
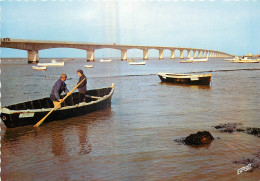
x: 192, y: 79
x: 29, y: 113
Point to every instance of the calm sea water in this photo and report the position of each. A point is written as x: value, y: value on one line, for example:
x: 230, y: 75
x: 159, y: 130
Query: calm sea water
x: 134, y: 139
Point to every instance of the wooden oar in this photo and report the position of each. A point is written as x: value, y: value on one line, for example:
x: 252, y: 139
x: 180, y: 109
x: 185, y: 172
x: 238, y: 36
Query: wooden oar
x: 40, y: 122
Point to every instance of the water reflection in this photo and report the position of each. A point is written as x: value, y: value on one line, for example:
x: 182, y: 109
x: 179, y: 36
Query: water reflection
x: 186, y: 85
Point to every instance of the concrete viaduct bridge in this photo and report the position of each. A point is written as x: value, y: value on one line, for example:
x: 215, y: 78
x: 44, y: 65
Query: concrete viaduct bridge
x: 34, y: 46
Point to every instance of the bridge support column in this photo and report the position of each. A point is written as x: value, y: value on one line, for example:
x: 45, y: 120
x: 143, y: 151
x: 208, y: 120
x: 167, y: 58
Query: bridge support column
x: 199, y: 53
x: 181, y: 54
x: 33, y: 56
x: 194, y: 53
x: 123, y: 54
x: 203, y: 54
x: 172, y: 54
x: 160, y: 54
x: 188, y: 53
x: 90, y: 56
x: 145, y: 54
x: 207, y: 54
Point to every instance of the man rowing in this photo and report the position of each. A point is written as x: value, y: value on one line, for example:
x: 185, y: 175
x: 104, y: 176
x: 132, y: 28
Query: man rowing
x: 57, y: 89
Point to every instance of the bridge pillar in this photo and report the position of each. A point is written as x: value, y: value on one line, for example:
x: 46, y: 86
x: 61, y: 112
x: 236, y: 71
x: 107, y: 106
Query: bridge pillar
x: 181, y: 54
x: 90, y: 56
x: 145, y: 54
x: 188, y: 53
x: 160, y: 54
x: 123, y: 54
x: 199, y: 53
x: 203, y: 54
x: 207, y: 54
x: 194, y: 53
x: 172, y: 54
x: 33, y: 56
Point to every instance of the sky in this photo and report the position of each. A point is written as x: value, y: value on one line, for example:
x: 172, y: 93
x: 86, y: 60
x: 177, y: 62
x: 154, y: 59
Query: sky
x: 228, y: 26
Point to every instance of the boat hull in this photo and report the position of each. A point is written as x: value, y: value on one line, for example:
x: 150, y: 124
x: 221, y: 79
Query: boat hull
x: 20, y: 118
x: 186, y: 79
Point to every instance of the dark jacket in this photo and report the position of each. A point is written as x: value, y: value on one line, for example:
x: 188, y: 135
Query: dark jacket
x: 57, y: 89
x: 83, y: 85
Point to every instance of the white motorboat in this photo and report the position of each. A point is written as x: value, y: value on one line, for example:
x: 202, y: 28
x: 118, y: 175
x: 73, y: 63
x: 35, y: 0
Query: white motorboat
x: 39, y: 67
x: 200, y: 60
x: 245, y: 60
x: 137, y: 63
x: 105, y: 60
x: 89, y: 66
x: 53, y: 63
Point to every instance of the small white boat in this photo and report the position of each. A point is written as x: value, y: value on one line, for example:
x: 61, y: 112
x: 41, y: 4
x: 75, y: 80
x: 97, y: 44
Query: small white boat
x: 245, y: 60
x: 89, y: 66
x: 186, y: 61
x: 137, y: 63
x: 105, y: 60
x: 53, y: 63
x: 39, y: 67
x: 199, y: 59
x: 231, y: 59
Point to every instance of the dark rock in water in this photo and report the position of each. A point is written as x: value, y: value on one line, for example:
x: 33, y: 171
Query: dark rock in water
x: 253, y: 131
x: 255, y: 161
x: 230, y: 127
x: 199, y: 138
x: 237, y: 127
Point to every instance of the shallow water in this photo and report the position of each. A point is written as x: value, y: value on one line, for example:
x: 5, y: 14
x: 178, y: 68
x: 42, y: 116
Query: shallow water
x: 134, y: 139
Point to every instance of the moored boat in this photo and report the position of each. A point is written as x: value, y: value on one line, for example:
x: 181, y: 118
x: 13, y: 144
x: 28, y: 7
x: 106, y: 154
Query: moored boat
x: 245, y: 60
x: 137, y: 63
x: 105, y: 60
x: 53, y: 63
x: 29, y: 113
x: 39, y: 67
x: 192, y: 79
x: 89, y: 66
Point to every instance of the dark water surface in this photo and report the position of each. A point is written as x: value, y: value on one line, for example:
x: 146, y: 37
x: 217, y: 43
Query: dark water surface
x: 134, y: 139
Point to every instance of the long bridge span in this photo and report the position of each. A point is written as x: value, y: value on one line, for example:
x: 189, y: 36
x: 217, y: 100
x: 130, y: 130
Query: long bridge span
x: 34, y: 46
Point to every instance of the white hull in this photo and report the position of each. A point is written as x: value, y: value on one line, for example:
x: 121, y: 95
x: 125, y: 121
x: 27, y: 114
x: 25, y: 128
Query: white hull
x: 39, y: 68
x: 108, y: 60
x: 53, y: 63
x: 137, y: 63
x: 89, y: 66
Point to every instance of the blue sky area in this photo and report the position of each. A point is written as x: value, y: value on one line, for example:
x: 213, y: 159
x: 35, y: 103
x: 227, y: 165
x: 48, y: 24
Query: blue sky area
x: 229, y: 26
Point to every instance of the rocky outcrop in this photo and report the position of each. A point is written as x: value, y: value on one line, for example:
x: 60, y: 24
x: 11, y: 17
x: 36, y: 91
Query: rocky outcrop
x: 200, y: 138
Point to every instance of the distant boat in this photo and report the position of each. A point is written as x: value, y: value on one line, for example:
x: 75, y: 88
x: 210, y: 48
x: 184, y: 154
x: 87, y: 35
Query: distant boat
x: 186, y: 61
x: 53, y: 63
x: 39, y: 67
x: 192, y: 79
x: 105, y: 60
x: 88, y: 66
x: 245, y: 60
x: 231, y: 59
x: 200, y: 59
x: 136, y: 63
x: 191, y: 60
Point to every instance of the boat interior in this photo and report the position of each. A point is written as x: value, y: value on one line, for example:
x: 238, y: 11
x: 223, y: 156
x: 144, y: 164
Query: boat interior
x: 69, y: 101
